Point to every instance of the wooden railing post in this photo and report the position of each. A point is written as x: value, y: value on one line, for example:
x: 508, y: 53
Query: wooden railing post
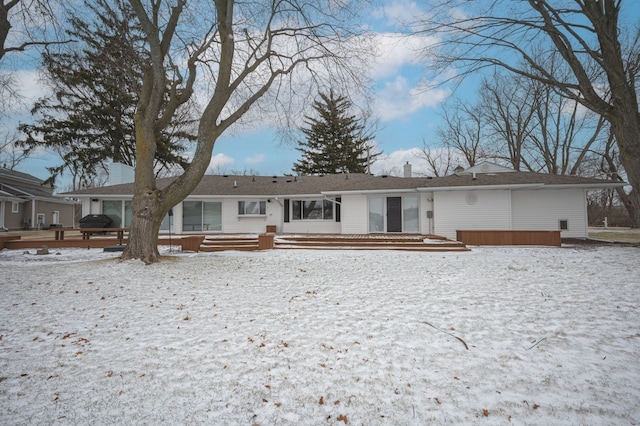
x: 265, y: 241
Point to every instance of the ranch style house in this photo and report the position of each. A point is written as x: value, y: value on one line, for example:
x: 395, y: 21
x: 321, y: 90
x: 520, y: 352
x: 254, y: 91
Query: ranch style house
x: 484, y: 197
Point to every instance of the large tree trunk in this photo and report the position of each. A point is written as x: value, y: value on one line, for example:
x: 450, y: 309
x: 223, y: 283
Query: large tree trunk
x: 149, y: 205
x: 148, y: 213
x: 623, y: 110
x: 627, y: 132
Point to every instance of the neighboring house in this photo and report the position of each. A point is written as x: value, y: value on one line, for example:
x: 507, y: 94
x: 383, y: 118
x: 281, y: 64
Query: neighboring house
x: 484, y: 197
x: 26, y: 204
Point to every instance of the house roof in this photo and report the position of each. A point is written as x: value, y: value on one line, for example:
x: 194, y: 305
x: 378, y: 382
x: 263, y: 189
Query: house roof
x: 229, y: 185
x: 516, y: 180
x: 8, y: 174
x: 19, y: 187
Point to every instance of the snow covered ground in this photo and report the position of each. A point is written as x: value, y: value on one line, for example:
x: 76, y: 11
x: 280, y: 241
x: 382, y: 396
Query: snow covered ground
x: 532, y: 336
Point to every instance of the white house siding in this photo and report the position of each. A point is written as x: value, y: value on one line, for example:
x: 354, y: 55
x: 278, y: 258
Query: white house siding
x: 275, y: 214
x: 456, y: 210
x: 543, y: 209
x: 354, y: 214
x: 232, y: 223
x: 426, y: 204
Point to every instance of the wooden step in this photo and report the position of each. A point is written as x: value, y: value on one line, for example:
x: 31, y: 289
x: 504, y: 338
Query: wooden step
x: 226, y: 247
x: 213, y: 244
x: 369, y: 242
x: 239, y: 242
x: 390, y: 247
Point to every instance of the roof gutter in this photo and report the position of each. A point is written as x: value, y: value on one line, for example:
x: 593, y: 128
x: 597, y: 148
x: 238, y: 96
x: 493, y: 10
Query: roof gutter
x: 481, y: 187
x: 371, y: 191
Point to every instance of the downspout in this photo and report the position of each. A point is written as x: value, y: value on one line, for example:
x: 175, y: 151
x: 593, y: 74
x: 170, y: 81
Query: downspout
x: 332, y: 201
x: 33, y: 212
x: 586, y: 215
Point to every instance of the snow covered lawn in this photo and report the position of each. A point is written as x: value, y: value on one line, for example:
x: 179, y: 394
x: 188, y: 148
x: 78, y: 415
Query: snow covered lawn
x: 494, y: 336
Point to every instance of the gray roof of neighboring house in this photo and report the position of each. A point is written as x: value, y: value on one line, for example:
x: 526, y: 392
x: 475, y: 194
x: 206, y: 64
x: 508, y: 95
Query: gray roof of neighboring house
x: 15, y: 175
x: 223, y: 185
x: 18, y: 185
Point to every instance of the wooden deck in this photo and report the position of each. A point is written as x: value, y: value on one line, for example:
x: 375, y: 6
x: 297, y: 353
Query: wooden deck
x: 224, y: 242
x: 406, y: 242
x: 509, y: 238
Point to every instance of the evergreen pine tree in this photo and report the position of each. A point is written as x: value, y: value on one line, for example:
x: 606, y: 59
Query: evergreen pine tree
x: 336, y: 140
x: 89, y: 119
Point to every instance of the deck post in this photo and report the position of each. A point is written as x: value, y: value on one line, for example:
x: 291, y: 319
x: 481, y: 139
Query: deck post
x: 192, y: 242
x: 265, y: 241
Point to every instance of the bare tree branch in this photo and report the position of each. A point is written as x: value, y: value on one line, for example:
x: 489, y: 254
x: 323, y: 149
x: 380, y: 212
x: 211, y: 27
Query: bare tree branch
x: 588, y: 36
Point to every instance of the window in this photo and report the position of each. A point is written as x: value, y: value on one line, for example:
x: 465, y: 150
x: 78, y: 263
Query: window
x: 118, y: 209
x: 563, y: 224
x: 252, y: 208
x: 40, y: 219
x: 376, y: 214
x: 287, y: 216
x: 201, y: 216
x: 113, y: 209
x: 394, y: 214
x: 311, y: 210
x: 410, y: 214
x: 15, y: 207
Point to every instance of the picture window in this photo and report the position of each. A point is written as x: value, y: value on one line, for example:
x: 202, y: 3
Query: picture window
x: 252, y: 208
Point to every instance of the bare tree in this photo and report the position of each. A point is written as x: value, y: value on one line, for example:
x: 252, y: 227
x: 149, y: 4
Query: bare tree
x: 441, y: 160
x: 603, y: 57
x: 10, y: 153
x: 27, y: 23
x: 23, y: 24
x: 247, y: 49
x: 508, y: 108
x: 564, y: 135
x: 521, y: 122
x: 463, y: 131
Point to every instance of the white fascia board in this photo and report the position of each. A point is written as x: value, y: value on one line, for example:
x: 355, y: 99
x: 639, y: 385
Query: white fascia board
x: 278, y: 197
x: 228, y: 197
x: 587, y: 186
x: 526, y: 186
x: 371, y: 191
x: 481, y: 187
x: 55, y: 200
x: 102, y: 196
x: 12, y: 199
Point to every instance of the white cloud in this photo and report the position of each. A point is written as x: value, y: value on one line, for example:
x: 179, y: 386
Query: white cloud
x: 400, y: 14
x: 399, y: 99
x: 396, y: 51
x: 31, y: 86
x: 393, y: 164
x: 255, y: 159
x: 23, y: 88
x: 444, y: 160
x: 218, y: 163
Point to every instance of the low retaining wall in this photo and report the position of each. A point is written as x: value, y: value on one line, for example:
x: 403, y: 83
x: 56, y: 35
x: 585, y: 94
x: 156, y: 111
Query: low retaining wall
x: 509, y: 238
x: 4, y: 239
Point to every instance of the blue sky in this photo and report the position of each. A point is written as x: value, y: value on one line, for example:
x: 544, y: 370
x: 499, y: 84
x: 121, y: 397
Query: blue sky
x: 407, y: 112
